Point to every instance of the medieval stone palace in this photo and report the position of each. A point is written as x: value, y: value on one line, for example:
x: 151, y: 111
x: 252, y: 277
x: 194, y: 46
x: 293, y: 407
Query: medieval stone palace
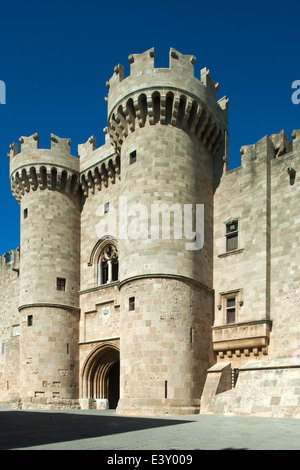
x: 151, y: 278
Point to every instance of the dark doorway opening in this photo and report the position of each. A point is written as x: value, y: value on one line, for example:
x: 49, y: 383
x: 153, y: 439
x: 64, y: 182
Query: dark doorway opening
x: 113, y: 385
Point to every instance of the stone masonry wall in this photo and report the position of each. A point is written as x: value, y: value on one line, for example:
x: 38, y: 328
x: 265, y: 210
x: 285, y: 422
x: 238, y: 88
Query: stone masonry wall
x: 164, y: 154
x: 46, y: 253
x: 243, y: 194
x: 9, y: 327
x: 49, y: 358
x: 285, y: 243
x: 268, y: 387
x: 166, y: 346
x: 261, y: 195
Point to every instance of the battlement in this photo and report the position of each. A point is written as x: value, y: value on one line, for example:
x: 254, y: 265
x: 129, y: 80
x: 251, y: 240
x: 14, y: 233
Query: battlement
x: 33, y: 168
x: 169, y: 96
x: 278, y: 148
x: 181, y: 66
x: 144, y: 63
x: 275, y: 146
x: 98, y: 166
x: 10, y: 260
x: 31, y: 143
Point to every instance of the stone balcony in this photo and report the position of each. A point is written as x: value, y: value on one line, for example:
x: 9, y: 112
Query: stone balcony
x: 242, y: 338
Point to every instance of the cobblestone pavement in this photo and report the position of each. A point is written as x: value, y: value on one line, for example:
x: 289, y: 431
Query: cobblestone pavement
x: 104, y: 430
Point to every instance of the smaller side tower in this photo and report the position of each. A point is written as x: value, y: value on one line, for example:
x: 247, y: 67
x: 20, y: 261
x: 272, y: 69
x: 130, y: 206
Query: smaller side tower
x: 45, y: 182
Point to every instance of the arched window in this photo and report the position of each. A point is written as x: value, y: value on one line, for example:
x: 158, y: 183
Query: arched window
x: 108, y: 265
x: 104, y: 258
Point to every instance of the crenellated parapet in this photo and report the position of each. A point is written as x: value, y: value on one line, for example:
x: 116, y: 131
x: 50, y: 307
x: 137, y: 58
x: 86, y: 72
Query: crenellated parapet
x: 172, y: 96
x: 33, y: 169
x: 10, y: 260
x: 275, y: 146
x: 98, y: 167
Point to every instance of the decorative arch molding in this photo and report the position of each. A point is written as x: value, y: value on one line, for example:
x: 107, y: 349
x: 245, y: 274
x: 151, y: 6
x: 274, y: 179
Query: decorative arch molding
x: 100, y: 246
x: 105, y: 260
x: 96, y: 368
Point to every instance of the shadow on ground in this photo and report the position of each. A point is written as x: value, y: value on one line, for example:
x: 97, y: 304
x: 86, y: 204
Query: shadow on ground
x: 21, y: 429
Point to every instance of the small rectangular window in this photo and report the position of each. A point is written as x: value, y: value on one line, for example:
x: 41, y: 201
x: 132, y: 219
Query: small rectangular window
x: 192, y: 335
x: 131, y: 303
x: 232, y: 236
x: 106, y: 207
x: 60, y: 283
x: 29, y: 320
x: 2, y: 347
x: 230, y: 310
x: 25, y: 213
x: 132, y: 158
x: 16, y: 330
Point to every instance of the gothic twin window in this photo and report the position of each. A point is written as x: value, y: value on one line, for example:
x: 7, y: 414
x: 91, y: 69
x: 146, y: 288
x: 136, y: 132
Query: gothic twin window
x: 108, y: 265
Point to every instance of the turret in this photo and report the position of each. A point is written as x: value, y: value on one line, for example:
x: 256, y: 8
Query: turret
x: 45, y: 182
x: 167, y: 127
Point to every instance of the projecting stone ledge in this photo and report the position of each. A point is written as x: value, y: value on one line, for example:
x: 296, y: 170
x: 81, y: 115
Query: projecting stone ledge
x: 242, y: 338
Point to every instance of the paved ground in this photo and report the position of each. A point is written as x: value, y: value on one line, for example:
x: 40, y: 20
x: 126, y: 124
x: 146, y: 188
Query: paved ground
x: 104, y: 430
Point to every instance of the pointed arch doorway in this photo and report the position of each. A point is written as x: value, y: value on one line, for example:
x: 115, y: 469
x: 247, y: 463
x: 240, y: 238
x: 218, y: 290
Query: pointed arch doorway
x: 101, y: 375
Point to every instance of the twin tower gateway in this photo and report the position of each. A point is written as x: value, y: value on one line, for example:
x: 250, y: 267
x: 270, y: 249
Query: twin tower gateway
x: 190, y: 310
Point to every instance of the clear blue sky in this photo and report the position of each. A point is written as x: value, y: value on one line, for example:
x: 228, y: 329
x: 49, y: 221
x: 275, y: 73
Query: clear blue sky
x: 55, y: 58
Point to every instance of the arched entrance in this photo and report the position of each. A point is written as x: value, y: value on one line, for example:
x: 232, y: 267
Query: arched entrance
x: 101, y: 374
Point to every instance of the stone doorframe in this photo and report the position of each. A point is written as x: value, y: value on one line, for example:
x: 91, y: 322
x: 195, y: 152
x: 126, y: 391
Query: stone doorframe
x: 95, y: 372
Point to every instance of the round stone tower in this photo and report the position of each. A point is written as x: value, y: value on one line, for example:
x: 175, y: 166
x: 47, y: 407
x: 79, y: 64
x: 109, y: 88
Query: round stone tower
x: 45, y: 183
x: 167, y: 126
